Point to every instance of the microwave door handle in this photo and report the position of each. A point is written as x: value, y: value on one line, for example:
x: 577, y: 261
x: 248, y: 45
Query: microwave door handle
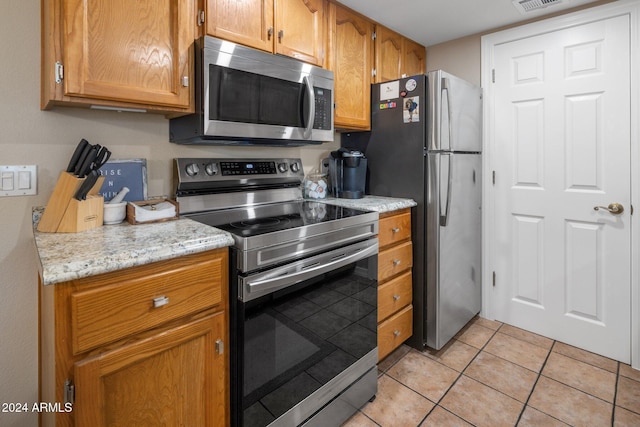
x: 312, y: 107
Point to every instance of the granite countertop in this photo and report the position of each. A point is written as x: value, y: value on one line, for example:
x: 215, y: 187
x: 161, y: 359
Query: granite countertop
x: 68, y: 256
x: 372, y: 203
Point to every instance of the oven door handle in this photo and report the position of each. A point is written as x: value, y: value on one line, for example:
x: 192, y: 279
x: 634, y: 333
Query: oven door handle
x: 254, y: 287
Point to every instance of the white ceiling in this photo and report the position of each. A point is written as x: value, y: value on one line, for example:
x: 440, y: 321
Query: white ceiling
x: 431, y: 22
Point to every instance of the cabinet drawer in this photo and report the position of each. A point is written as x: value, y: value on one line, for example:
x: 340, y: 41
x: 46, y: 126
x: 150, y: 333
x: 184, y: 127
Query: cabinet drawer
x: 135, y: 303
x: 394, y: 295
x: 394, y: 260
x: 394, y: 331
x: 394, y: 229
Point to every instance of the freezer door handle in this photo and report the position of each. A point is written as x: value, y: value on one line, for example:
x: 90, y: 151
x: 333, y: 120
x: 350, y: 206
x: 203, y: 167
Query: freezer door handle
x: 444, y: 218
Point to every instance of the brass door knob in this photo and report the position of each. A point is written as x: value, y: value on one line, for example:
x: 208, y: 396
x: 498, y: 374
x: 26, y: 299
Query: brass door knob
x: 613, y: 208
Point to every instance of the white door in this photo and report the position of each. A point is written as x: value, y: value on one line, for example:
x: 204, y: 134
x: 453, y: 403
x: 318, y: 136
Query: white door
x: 562, y: 147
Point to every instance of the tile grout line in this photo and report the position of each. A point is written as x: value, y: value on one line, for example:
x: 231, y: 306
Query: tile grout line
x: 615, y: 395
x: 526, y: 402
x: 460, y: 374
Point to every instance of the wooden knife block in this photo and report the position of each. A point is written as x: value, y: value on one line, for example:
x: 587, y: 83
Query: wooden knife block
x: 64, y: 214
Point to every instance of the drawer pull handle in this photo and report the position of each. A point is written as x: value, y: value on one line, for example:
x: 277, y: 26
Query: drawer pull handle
x: 396, y: 297
x: 160, y: 301
x: 219, y: 346
x: 396, y: 262
x: 395, y: 230
x: 396, y: 333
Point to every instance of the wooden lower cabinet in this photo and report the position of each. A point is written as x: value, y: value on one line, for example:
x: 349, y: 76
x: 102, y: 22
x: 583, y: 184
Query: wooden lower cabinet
x: 394, y: 331
x: 395, y: 292
x: 161, y: 359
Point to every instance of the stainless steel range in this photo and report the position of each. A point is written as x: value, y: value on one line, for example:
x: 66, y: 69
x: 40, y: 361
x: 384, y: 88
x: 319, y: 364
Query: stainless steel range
x: 303, y: 287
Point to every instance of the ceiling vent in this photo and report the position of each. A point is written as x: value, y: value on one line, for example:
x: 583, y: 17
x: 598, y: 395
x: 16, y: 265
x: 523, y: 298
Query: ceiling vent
x: 525, y: 6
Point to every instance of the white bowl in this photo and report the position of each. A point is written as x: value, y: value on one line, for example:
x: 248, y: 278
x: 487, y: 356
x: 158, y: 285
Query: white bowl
x: 114, y: 213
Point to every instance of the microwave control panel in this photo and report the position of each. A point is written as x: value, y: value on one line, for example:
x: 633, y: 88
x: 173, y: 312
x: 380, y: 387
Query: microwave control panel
x: 324, y: 109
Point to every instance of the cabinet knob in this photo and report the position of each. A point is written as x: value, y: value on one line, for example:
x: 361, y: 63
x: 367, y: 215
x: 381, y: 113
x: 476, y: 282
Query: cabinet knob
x: 160, y: 301
x: 269, y: 33
x: 396, y: 333
x: 396, y: 297
x: 185, y: 81
x: 280, y: 35
x: 395, y: 230
x: 219, y: 346
x: 396, y: 262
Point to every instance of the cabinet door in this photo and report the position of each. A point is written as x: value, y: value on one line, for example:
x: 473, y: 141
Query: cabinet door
x: 351, y: 59
x: 174, y: 378
x: 247, y: 22
x: 300, y: 26
x: 414, y: 58
x: 133, y: 51
x: 388, y: 54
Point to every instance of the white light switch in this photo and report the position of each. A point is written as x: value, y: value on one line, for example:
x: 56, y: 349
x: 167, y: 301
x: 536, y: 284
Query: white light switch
x: 18, y: 180
x: 7, y: 181
x: 24, y: 180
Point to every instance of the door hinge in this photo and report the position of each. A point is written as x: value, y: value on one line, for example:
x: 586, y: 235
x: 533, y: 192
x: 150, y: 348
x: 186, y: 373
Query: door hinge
x: 219, y: 346
x: 69, y: 392
x: 493, y: 75
x: 493, y: 177
x: 373, y: 35
x: 59, y: 72
x: 200, y: 18
x: 494, y: 279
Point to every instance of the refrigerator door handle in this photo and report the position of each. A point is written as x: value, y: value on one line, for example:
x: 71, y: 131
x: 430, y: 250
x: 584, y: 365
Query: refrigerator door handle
x: 444, y: 219
x: 445, y: 91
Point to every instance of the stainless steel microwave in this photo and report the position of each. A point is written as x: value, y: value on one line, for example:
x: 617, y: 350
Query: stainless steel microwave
x: 246, y: 97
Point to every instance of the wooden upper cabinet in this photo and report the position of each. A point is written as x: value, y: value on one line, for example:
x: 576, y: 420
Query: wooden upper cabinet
x: 397, y: 56
x: 119, y: 53
x: 300, y: 26
x: 247, y: 22
x: 388, y: 54
x: 294, y: 28
x: 350, y: 57
x: 414, y: 58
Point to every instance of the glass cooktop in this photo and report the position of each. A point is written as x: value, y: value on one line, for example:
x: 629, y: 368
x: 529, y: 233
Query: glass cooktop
x: 270, y: 218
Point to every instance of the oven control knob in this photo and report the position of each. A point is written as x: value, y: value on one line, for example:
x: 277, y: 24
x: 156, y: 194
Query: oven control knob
x: 211, y: 169
x: 192, y: 169
x: 282, y: 167
x: 295, y: 167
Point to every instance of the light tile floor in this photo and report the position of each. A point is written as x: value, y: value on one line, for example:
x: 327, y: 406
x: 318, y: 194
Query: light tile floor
x: 493, y: 374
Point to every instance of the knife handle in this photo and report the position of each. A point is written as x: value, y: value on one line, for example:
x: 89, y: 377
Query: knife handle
x: 86, y: 186
x: 76, y: 155
x: 81, y: 159
x: 85, y: 168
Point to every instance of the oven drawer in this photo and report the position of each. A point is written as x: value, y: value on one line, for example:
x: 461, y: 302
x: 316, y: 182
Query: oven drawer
x: 394, y: 331
x: 126, y: 304
x: 394, y: 229
x: 394, y: 260
x: 394, y: 295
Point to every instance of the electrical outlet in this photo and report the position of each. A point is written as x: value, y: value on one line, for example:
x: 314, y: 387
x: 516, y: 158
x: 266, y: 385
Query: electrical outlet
x: 21, y: 180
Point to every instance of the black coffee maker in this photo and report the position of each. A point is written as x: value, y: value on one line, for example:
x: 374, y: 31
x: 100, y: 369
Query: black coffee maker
x: 347, y: 173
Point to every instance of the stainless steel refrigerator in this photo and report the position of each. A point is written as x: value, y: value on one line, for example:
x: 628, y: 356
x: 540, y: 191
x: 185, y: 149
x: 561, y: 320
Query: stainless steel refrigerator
x: 425, y: 144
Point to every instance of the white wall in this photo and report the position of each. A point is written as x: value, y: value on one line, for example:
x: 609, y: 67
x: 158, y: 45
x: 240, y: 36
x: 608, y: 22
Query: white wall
x: 47, y: 139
